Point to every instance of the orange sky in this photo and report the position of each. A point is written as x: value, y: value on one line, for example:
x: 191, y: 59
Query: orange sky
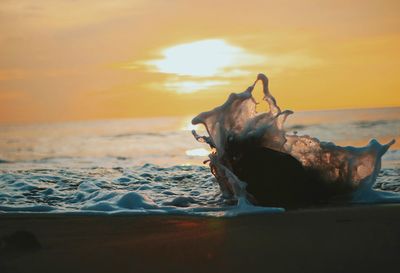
x: 69, y: 60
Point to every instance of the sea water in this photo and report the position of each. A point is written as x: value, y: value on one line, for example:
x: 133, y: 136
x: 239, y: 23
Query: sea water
x: 253, y: 154
x: 153, y: 165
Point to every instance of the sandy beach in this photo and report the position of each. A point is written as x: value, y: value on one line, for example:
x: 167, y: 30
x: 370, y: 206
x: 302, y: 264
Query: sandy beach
x: 352, y: 239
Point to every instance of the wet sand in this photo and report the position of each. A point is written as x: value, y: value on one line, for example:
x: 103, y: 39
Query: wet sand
x: 353, y: 239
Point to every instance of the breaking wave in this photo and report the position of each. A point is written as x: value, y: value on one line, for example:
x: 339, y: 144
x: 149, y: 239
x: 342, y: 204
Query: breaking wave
x: 149, y: 166
x: 255, y: 161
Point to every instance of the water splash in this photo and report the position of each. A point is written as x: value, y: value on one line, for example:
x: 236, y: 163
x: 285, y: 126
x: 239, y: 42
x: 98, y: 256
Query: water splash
x: 307, y: 171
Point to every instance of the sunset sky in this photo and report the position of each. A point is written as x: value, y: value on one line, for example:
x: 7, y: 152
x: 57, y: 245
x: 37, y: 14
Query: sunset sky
x: 79, y: 60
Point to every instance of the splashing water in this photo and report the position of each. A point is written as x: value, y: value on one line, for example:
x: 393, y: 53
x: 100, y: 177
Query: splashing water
x: 151, y: 166
x: 241, y: 138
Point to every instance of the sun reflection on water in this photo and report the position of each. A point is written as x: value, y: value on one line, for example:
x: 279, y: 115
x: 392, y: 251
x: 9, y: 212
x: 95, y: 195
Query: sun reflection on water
x: 197, y: 152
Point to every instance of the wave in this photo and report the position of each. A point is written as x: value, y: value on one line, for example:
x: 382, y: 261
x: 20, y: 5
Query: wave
x: 4, y: 161
x: 369, y: 124
x: 147, y: 189
x: 128, y: 135
x: 256, y: 162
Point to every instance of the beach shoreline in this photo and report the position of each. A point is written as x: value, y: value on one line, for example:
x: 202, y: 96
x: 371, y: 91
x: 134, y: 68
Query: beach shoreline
x: 340, y: 239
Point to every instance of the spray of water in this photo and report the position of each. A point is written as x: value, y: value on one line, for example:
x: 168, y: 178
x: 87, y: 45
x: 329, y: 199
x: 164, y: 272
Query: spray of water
x: 253, y: 158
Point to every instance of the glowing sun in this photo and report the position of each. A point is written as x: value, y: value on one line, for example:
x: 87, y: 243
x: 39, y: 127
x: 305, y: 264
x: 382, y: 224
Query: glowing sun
x: 200, y: 60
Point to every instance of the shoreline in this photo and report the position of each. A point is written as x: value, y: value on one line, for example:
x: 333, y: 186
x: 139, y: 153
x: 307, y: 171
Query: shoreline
x: 340, y: 239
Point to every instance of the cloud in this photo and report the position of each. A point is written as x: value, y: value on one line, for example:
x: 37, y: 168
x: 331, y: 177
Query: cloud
x: 205, y: 64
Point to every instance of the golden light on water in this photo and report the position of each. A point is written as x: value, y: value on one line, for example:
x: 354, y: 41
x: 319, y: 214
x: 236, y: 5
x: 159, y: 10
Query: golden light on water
x: 197, y: 152
x: 188, y: 126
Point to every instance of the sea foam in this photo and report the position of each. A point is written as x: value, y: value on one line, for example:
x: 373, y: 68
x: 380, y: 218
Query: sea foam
x: 152, y: 166
x: 236, y: 127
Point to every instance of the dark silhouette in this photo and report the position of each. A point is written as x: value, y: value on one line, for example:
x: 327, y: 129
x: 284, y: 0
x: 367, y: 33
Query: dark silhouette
x: 278, y: 179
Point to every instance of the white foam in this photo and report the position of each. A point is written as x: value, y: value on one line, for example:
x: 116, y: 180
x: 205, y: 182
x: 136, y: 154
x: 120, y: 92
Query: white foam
x: 353, y: 167
x: 133, y: 200
x: 31, y: 208
x: 244, y: 207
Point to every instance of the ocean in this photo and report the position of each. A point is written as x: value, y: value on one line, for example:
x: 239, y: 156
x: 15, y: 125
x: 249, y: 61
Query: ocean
x: 152, y: 165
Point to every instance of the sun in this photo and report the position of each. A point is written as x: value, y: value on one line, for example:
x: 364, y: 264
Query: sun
x: 204, y: 58
x: 192, y: 65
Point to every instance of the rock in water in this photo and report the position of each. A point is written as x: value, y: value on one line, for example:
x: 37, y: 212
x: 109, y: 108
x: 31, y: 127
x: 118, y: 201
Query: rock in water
x: 254, y: 158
